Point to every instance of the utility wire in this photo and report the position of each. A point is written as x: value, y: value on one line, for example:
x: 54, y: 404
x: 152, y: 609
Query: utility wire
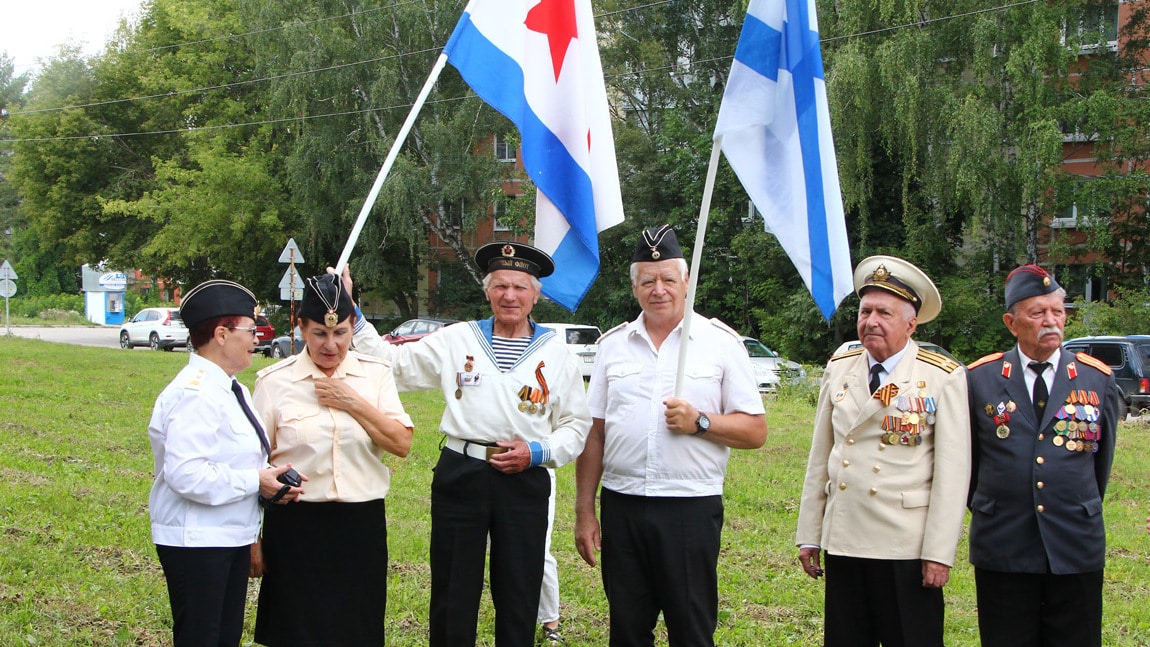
x: 401, y: 55
x: 929, y: 21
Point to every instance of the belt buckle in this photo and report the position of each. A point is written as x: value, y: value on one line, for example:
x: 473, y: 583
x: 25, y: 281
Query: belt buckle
x: 492, y: 451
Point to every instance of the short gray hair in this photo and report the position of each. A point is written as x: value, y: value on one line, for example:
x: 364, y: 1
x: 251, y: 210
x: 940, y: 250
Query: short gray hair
x: 635, y: 269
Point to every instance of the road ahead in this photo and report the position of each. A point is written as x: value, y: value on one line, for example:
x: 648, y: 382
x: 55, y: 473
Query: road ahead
x: 104, y: 337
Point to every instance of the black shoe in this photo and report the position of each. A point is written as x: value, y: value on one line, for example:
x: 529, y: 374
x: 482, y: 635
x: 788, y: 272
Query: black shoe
x: 551, y: 637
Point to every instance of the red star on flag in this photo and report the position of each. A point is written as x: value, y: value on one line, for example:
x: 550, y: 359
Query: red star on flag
x: 556, y: 18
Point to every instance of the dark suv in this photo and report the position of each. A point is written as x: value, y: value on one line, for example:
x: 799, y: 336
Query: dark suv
x: 1128, y: 357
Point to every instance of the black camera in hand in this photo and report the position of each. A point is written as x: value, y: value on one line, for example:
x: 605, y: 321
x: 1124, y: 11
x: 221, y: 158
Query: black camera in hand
x: 290, y: 478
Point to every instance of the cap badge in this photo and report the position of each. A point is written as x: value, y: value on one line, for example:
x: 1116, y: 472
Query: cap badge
x: 881, y: 274
x: 1046, y: 281
x: 331, y: 317
x: 653, y: 240
x: 508, y: 250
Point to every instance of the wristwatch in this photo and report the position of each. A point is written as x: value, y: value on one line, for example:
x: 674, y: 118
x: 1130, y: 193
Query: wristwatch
x: 702, y: 424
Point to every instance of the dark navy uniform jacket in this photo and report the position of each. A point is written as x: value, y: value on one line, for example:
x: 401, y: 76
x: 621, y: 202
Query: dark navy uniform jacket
x: 1033, y: 502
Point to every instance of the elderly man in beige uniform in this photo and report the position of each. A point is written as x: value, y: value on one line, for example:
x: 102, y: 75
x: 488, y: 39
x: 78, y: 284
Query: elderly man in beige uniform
x: 886, y: 481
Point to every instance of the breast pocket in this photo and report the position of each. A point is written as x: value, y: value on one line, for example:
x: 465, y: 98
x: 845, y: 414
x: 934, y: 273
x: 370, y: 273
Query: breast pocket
x: 299, y: 423
x: 623, y: 372
x: 703, y: 374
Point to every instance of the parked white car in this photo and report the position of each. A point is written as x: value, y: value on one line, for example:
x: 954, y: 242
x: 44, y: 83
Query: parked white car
x: 581, y: 340
x: 769, y: 369
x: 157, y: 328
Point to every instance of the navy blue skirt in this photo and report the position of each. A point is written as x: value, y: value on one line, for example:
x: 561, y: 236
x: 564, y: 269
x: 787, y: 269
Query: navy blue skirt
x: 326, y: 579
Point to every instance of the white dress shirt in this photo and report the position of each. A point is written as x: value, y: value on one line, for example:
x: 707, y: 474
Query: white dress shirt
x: 630, y: 382
x: 207, y: 458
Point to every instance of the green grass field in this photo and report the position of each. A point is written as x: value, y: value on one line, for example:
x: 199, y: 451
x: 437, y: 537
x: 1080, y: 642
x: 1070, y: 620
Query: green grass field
x: 77, y: 566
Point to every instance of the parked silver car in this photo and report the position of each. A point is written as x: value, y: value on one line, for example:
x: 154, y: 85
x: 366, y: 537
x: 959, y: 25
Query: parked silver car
x: 769, y: 369
x: 157, y: 328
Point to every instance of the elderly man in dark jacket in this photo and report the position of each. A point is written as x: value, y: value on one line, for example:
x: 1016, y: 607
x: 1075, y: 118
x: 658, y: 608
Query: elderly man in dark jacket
x: 1043, y: 424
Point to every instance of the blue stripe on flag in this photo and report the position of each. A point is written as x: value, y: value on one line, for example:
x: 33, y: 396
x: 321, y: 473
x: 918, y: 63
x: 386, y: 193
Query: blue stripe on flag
x: 573, y: 257
x: 498, y: 80
x: 758, y: 47
x: 806, y: 110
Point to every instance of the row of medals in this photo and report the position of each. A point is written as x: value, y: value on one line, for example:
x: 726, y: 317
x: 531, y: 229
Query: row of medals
x: 915, y: 413
x: 532, y: 400
x: 1077, y: 428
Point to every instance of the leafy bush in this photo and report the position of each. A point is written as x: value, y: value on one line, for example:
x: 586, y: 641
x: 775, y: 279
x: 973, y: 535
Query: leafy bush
x: 804, y: 392
x: 1126, y: 315
x: 31, y: 307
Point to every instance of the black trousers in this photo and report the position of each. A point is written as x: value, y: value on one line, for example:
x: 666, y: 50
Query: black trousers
x: 661, y: 554
x: 471, y: 500
x: 878, y: 601
x: 1039, y: 610
x: 207, y: 588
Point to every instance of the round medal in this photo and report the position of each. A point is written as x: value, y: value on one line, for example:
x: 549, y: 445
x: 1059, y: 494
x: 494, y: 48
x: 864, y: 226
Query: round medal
x: 1071, y: 446
x: 1058, y: 440
x: 523, y: 406
x: 1002, y: 432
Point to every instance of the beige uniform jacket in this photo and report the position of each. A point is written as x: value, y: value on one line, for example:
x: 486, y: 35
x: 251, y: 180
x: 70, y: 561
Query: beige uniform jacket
x: 863, y: 498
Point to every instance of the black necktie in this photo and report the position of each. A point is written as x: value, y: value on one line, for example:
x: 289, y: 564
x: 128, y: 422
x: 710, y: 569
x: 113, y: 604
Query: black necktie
x: 874, y: 381
x: 1040, y: 393
x: 251, y: 417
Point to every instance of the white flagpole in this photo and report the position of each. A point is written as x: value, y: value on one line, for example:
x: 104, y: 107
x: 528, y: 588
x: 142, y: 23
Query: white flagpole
x: 696, y: 257
x: 400, y: 138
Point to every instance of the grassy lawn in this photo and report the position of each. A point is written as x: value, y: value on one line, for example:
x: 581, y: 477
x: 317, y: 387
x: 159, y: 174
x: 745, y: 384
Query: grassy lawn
x: 77, y: 566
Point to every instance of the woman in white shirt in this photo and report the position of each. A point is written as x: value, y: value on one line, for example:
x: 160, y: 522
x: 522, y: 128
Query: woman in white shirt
x: 210, y: 458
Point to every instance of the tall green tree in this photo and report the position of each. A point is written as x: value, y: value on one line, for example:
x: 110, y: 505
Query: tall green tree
x: 349, y: 71
x: 11, y: 98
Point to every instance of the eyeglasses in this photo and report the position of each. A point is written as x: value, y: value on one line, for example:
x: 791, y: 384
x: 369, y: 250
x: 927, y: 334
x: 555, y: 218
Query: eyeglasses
x: 250, y: 329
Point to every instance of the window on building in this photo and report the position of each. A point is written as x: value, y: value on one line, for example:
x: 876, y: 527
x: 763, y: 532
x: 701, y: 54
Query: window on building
x: 1080, y: 281
x: 500, y: 212
x: 504, y: 150
x: 1097, y: 27
x: 1070, y: 217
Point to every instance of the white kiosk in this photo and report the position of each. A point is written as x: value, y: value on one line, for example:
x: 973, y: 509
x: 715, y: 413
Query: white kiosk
x: 104, y: 296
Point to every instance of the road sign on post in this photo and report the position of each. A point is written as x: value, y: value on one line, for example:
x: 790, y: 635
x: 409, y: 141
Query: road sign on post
x: 288, y: 285
x: 7, y: 289
x: 291, y: 286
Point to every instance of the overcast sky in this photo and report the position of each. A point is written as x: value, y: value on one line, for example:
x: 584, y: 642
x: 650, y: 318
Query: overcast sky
x: 32, y: 29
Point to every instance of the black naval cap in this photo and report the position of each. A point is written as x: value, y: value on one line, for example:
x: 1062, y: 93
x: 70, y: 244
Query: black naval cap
x: 509, y: 255
x: 1028, y: 281
x: 325, y: 301
x: 657, y: 244
x: 216, y: 298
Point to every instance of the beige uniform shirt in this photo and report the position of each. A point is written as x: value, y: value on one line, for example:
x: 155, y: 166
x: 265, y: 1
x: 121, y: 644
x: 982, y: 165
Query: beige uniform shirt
x: 328, y: 445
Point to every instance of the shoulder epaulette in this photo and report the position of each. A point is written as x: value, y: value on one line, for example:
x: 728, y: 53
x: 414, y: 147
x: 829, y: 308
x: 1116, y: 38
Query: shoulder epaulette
x: 937, y: 360
x: 616, y: 328
x: 983, y: 360
x: 1093, y: 362
x: 849, y: 353
x: 193, y: 382
x: 263, y: 372
x: 718, y: 323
